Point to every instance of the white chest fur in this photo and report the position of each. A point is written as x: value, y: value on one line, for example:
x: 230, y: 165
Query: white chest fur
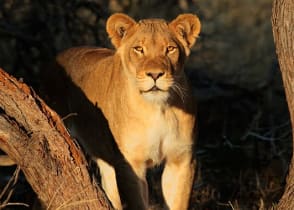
x: 154, y: 137
x: 162, y: 136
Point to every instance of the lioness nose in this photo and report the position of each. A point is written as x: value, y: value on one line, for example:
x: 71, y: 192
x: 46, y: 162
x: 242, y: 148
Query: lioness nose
x: 155, y: 75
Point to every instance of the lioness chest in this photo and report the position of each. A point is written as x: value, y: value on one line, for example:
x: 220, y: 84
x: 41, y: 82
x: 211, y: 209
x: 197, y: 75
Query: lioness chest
x: 152, y: 137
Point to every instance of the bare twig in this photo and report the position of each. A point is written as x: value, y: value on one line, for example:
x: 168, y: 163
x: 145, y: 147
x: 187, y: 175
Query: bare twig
x: 10, y: 185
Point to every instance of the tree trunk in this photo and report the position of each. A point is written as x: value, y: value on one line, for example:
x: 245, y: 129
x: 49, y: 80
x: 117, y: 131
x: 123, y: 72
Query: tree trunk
x: 35, y: 138
x: 283, y: 30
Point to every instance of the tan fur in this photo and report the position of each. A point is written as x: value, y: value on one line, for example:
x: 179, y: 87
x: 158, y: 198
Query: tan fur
x: 142, y: 91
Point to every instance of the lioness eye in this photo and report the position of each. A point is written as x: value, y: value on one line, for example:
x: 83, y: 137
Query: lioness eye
x: 139, y: 49
x: 170, y: 49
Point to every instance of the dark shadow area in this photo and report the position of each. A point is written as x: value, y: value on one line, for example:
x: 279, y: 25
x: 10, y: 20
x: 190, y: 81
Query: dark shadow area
x: 245, y: 138
x: 87, y: 124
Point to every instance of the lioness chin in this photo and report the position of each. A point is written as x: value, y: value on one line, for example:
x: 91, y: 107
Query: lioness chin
x: 134, y: 107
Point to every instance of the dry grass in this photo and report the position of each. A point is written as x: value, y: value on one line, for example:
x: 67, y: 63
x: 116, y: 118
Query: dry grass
x: 8, y: 190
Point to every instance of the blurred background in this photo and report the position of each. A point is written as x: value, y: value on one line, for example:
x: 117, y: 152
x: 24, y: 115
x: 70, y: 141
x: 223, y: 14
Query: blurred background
x: 244, y: 141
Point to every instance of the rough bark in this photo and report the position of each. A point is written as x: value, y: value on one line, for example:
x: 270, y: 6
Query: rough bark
x: 283, y: 30
x: 34, y: 136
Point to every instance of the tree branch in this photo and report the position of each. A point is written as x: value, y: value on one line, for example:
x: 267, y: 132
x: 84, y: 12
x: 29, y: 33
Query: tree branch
x: 35, y: 138
x: 282, y: 22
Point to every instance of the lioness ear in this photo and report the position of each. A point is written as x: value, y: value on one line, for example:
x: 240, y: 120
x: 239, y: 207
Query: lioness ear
x: 117, y: 26
x: 187, y: 28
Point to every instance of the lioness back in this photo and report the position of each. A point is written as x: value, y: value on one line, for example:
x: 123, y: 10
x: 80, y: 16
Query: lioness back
x: 80, y: 61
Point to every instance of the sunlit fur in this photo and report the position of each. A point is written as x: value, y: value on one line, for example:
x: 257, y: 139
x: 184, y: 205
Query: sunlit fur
x: 142, y: 91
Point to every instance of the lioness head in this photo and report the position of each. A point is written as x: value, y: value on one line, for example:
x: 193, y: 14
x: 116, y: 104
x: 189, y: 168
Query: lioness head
x: 153, y: 52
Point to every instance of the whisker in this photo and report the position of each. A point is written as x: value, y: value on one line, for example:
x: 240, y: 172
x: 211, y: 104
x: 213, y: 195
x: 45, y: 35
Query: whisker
x: 180, y: 91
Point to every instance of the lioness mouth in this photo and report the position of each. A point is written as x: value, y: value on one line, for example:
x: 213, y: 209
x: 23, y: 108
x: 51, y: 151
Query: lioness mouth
x: 153, y: 89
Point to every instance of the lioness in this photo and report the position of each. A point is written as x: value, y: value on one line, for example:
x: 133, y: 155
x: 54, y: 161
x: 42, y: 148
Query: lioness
x: 139, y: 112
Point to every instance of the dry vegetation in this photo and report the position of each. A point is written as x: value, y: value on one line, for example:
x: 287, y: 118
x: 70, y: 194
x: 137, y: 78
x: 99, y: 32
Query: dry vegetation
x: 244, y: 143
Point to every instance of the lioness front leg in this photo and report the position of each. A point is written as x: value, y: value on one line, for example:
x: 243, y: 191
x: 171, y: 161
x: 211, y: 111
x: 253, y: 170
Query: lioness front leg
x: 109, y: 184
x: 139, y: 196
x: 177, y: 181
x: 125, y: 186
